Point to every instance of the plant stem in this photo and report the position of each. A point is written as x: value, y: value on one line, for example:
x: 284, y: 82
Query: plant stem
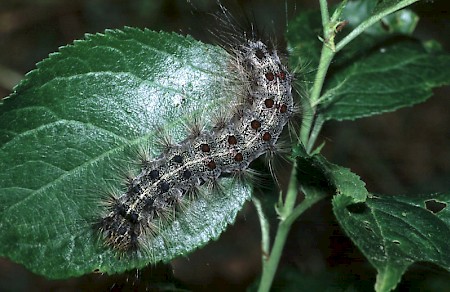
x: 314, y: 134
x: 288, y: 216
x: 324, y: 12
x: 270, y: 264
x: 291, y: 195
x: 265, y: 238
x: 325, y: 61
x: 326, y: 56
x: 288, y: 212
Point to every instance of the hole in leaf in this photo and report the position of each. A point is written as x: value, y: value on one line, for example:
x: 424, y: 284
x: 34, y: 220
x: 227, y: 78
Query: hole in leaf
x: 396, y: 242
x: 357, y: 208
x: 435, y: 206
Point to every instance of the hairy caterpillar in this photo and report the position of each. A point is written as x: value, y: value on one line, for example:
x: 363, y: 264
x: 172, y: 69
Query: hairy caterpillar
x: 227, y: 149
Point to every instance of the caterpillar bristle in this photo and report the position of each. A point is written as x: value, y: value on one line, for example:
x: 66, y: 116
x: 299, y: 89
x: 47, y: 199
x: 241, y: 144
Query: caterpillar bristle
x: 163, y: 140
x: 220, y: 119
x: 277, y: 162
x: 164, y: 214
x: 108, y: 194
x: 247, y: 176
x: 143, y: 155
x: 194, y: 127
x: 127, y: 176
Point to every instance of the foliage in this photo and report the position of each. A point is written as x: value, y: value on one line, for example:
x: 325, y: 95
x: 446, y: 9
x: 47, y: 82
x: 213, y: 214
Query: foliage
x: 92, y: 104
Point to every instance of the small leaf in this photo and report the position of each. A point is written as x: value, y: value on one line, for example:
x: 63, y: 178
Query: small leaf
x: 394, y: 232
x: 317, y: 176
x: 72, y: 126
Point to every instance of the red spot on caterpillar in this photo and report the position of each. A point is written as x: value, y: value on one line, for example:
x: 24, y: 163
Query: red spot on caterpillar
x: 269, y: 103
x: 283, y: 109
x: 205, y: 148
x: 281, y: 75
x: 239, y: 157
x: 270, y: 76
x: 211, y: 165
x: 266, y: 136
x: 255, y: 124
x: 232, y: 140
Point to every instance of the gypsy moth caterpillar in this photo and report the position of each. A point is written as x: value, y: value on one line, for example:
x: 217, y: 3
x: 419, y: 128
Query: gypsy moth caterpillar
x: 249, y: 127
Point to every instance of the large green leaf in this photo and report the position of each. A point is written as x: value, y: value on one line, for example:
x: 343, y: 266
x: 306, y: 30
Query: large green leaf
x: 72, y: 127
x: 393, y: 232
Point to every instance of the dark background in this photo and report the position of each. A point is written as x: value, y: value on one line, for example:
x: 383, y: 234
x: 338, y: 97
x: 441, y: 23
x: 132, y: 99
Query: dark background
x: 406, y: 152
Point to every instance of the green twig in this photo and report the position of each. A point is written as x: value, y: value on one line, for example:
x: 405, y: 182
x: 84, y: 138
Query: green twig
x: 265, y: 227
x: 270, y: 264
x: 326, y: 56
x: 324, y: 12
x: 286, y: 209
x: 314, y: 133
x: 288, y: 215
